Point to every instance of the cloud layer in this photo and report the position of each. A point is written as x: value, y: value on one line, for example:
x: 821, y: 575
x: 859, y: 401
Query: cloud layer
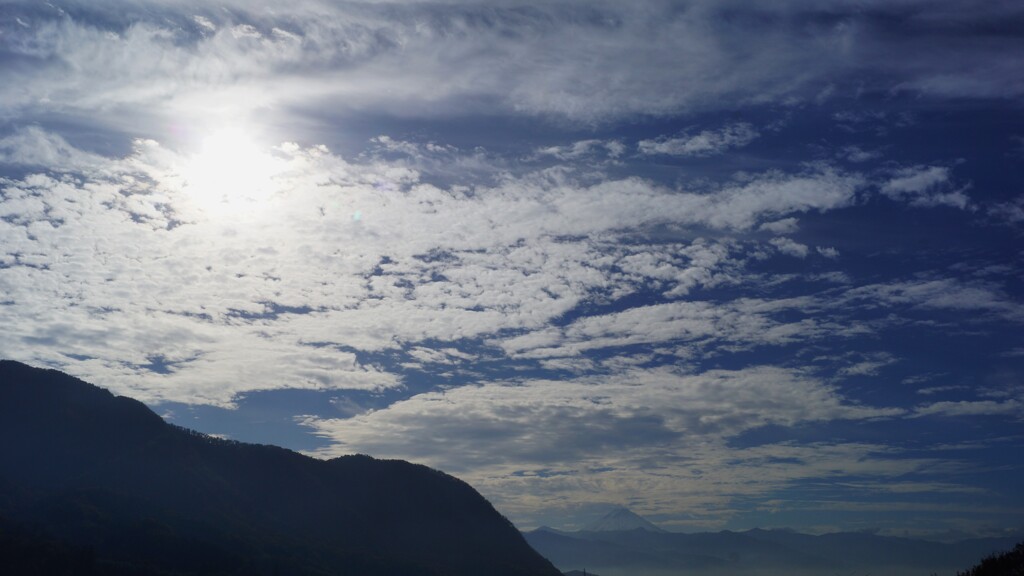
x: 582, y: 62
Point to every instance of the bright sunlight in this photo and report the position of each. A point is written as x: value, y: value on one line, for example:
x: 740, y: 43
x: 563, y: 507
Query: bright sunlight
x: 230, y: 173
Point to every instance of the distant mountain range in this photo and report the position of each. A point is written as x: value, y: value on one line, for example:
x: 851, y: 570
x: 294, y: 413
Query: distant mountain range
x: 643, y: 549
x: 93, y: 484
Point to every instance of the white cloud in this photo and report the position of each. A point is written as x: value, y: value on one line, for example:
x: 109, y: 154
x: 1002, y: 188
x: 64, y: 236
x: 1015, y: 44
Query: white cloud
x: 913, y: 181
x: 638, y: 433
x: 778, y: 195
x: 938, y: 389
x: 869, y: 365
x: 92, y: 257
x: 783, y: 226
x: 205, y: 23
x: 828, y: 251
x: 1012, y: 407
x: 857, y: 154
x: 925, y: 186
x: 605, y: 60
x: 790, y: 247
x: 585, y: 149
x: 704, y: 143
x: 33, y: 146
x: 943, y: 293
x: 742, y: 323
x: 712, y: 404
x: 1011, y: 212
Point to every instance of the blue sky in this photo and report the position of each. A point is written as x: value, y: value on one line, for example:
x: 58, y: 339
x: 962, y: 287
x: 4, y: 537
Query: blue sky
x: 730, y: 264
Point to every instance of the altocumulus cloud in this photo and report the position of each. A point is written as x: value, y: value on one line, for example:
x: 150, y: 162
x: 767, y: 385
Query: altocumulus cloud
x: 422, y: 262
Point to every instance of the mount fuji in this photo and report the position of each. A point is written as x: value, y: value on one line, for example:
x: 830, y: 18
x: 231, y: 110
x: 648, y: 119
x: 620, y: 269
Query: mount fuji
x: 621, y: 519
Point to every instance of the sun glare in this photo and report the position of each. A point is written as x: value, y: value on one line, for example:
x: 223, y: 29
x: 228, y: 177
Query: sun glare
x: 230, y: 173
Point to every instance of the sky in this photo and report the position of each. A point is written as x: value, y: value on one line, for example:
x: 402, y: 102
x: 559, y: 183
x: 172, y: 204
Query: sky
x: 730, y: 264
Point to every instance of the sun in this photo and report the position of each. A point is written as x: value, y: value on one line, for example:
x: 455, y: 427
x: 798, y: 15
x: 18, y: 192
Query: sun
x: 230, y: 173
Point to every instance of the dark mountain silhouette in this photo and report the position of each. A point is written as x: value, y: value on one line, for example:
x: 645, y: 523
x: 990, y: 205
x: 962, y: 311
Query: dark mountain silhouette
x: 640, y: 552
x: 1009, y: 563
x: 91, y: 483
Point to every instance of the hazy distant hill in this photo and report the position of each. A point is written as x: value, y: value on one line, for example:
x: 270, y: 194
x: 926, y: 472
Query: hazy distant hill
x: 640, y: 552
x: 570, y: 551
x: 91, y: 483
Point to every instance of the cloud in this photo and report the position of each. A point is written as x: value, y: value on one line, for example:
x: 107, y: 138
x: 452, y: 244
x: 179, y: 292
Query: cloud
x: 742, y: 323
x: 942, y: 293
x: 938, y: 389
x: 300, y: 278
x: 857, y: 154
x: 33, y: 146
x: 869, y: 365
x: 605, y: 61
x: 828, y: 251
x: 205, y: 23
x: 535, y: 443
x: 790, y: 247
x: 748, y: 323
x: 297, y: 281
x: 1012, y: 407
x: 302, y: 282
x: 783, y: 226
x: 705, y: 143
x: 584, y: 149
x: 1011, y: 212
x: 629, y: 408
x: 925, y: 186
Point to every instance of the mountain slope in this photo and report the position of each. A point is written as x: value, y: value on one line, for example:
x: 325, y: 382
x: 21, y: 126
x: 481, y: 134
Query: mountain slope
x: 107, y: 476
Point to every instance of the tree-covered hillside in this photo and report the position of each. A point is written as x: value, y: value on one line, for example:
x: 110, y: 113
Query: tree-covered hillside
x: 1009, y: 563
